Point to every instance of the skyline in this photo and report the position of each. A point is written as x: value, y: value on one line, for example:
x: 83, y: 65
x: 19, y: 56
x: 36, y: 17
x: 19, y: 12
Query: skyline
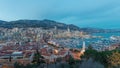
x: 87, y: 13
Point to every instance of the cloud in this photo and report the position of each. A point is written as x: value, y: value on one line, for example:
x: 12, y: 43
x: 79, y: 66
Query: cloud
x: 79, y: 12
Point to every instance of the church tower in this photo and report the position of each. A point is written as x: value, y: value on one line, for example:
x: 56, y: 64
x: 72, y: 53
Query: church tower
x: 68, y: 29
x: 55, y: 30
x: 83, y: 48
x: 68, y: 33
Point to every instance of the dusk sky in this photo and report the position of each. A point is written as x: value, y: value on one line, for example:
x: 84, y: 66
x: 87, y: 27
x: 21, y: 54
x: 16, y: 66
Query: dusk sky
x: 83, y: 13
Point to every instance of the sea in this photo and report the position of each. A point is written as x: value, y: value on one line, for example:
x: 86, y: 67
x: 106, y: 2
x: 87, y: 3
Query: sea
x: 90, y: 41
x: 106, y: 35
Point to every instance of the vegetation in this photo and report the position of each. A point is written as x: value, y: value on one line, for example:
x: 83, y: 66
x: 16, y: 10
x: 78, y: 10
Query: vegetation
x: 107, y: 58
x: 114, y: 59
x: 91, y: 58
x: 17, y: 65
x: 45, y: 24
x: 71, y: 61
x: 38, y: 59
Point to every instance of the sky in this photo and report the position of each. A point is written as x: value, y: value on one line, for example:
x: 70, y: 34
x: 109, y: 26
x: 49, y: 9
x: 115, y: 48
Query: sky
x: 83, y: 13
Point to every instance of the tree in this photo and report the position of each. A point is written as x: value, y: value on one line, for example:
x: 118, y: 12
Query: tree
x: 90, y: 53
x: 71, y: 61
x: 90, y: 47
x: 97, y: 56
x: 38, y: 58
x: 18, y: 65
x: 10, y: 58
x: 114, y: 59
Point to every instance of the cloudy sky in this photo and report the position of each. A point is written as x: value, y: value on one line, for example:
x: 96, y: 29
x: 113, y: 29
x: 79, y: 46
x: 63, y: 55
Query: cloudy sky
x: 83, y: 13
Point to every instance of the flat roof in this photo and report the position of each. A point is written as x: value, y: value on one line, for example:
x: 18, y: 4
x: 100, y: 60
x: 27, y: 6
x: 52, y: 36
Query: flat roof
x: 17, y: 53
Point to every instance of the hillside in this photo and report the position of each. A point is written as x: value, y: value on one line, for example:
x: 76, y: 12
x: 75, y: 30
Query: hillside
x: 46, y: 24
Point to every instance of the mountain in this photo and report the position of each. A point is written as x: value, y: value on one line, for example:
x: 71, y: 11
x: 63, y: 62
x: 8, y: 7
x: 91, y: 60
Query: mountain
x: 1, y: 22
x: 45, y: 24
x: 48, y: 24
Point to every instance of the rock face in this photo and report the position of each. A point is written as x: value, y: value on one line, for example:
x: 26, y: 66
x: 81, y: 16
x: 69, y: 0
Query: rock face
x: 46, y: 24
